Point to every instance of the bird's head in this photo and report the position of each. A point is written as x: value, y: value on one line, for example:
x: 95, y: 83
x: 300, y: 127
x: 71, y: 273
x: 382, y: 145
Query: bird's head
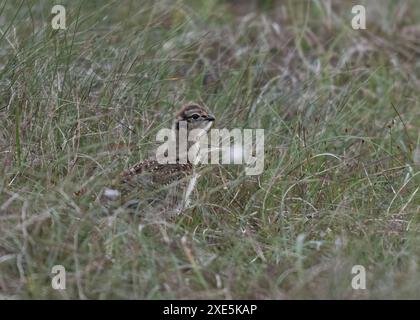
x: 195, y: 116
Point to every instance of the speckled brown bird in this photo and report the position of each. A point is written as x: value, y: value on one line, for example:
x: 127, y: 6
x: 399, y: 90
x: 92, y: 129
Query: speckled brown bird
x: 151, y: 187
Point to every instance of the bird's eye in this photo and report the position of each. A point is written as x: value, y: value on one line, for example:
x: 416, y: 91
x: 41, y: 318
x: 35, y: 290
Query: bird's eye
x: 195, y: 116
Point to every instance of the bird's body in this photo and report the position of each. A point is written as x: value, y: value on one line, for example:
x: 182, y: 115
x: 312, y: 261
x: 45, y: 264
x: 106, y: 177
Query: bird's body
x: 151, y: 187
x: 152, y: 172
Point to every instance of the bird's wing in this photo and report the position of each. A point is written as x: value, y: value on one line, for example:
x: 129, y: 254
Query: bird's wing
x: 154, y: 185
x: 151, y: 173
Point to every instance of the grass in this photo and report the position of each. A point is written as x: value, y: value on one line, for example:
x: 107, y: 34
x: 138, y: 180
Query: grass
x: 341, y: 113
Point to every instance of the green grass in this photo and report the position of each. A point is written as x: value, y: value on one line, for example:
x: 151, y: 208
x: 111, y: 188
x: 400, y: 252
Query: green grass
x: 341, y: 113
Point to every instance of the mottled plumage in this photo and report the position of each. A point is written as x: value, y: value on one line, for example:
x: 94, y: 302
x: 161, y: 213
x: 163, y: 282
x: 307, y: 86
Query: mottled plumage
x: 153, y: 172
x: 152, y: 187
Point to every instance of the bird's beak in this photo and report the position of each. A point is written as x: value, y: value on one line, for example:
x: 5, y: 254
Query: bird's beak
x: 210, y: 118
